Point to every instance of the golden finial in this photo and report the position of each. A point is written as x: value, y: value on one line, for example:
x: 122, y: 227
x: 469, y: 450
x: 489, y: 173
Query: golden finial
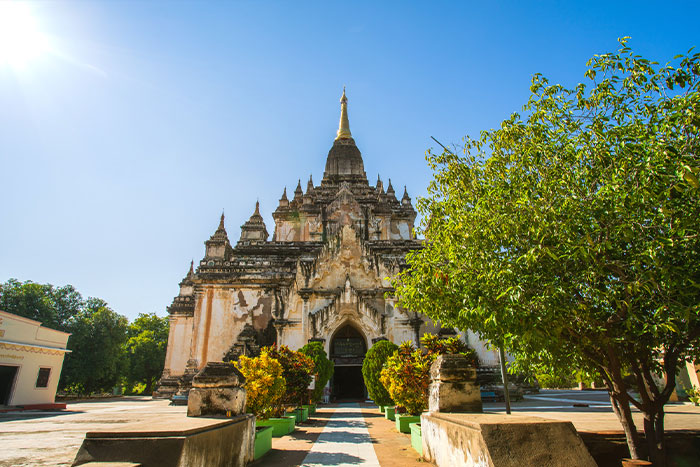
x: 344, y: 127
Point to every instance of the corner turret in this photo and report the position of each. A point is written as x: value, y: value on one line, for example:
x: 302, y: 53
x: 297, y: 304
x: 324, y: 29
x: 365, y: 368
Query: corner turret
x: 218, y: 243
x: 254, y: 230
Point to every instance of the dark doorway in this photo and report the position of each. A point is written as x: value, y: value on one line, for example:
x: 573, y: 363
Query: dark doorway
x: 348, y: 348
x: 348, y: 383
x: 7, y: 380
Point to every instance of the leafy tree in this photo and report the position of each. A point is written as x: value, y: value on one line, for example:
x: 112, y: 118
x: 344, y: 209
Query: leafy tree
x: 297, y: 369
x: 146, y: 346
x: 98, y: 359
x: 264, y: 384
x: 52, y: 306
x: 323, y: 368
x: 375, y: 359
x: 570, y: 235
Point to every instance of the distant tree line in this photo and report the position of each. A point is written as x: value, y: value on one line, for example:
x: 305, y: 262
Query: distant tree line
x: 106, y: 350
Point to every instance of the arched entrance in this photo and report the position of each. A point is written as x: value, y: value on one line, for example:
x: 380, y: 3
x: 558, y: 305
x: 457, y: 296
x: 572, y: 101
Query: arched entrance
x: 347, y: 350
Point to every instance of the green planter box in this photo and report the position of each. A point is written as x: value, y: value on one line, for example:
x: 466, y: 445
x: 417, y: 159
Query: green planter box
x: 263, y: 441
x: 280, y: 426
x: 301, y: 413
x: 389, y: 413
x: 416, y: 437
x: 382, y: 408
x: 310, y: 408
x: 402, y: 421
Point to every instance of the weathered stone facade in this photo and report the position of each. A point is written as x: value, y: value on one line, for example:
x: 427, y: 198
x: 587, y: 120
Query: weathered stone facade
x: 323, y: 276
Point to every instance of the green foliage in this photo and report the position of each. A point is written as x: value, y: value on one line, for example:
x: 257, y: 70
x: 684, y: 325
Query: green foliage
x: 52, y: 306
x: 406, y: 373
x: 372, y: 366
x: 323, y: 368
x: 556, y: 381
x: 264, y: 384
x: 406, y: 377
x: 104, y: 349
x: 297, y: 370
x: 146, y: 347
x: 693, y: 395
x: 436, y: 345
x: 98, y: 359
x: 570, y: 234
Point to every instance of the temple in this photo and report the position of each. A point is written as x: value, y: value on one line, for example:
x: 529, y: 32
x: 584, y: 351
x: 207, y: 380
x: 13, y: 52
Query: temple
x: 323, y: 276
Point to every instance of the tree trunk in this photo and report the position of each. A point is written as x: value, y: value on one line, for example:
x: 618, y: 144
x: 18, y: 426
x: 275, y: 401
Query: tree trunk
x: 621, y: 407
x: 149, y: 387
x: 654, y: 433
x: 620, y: 400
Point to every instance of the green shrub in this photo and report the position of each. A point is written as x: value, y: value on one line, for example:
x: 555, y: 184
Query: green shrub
x: 372, y: 367
x: 296, y: 369
x: 406, y: 377
x: 264, y: 384
x: 549, y: 381
x: 406, y: 374
x: 693, y: 394
x: 323, y: 368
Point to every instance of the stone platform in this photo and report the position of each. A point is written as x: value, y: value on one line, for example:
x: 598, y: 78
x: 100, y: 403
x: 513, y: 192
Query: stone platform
x: 494, y: 440
x: 174, y: 440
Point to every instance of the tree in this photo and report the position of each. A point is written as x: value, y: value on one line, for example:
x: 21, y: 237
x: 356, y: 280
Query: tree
x: 146, y: 346
x: 297, y: 369
x: 264, y: 384
x: 52, y: 306
x: 323, y: 368
x: 98, y: 359
x: 372, y: 365
x: 570, y: 235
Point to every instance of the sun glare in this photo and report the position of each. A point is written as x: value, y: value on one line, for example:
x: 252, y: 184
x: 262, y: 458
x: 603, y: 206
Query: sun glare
x: 21, y: 41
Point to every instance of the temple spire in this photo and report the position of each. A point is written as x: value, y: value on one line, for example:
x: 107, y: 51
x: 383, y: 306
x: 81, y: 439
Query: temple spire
x: 344, y: 127
x: 221, y: 222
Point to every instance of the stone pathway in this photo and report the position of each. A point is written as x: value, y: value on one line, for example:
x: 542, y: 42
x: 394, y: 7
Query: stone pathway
x: 345, y: 441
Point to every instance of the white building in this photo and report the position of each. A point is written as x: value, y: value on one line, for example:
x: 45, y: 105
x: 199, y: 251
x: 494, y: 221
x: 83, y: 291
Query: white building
x: 31, y: 358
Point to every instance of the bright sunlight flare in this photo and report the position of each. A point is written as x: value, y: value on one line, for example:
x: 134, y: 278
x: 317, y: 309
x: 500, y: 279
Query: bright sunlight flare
x: 21, y: 41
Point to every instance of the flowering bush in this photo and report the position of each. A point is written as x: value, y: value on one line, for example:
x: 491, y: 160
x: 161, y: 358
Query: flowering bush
x: 297, y: 369
x: 406, y: 374
x: 406, y: 377
x: 264, y: 384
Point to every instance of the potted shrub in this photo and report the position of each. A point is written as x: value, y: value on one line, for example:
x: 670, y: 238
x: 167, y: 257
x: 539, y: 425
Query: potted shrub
x: 265, y: 387
x: 323, y: 370
x: 406, y: 374
x: 296, y: 370
x: 371, y: 371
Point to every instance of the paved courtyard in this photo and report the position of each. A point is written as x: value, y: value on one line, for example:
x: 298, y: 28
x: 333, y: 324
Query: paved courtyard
x: 338, y: 434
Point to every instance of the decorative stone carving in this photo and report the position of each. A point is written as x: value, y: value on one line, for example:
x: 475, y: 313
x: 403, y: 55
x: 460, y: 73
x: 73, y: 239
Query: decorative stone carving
x: 453, y: 386
x: 217, y: 390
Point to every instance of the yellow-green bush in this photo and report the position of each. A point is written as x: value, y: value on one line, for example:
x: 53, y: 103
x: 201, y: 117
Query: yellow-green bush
x: 265, y: 385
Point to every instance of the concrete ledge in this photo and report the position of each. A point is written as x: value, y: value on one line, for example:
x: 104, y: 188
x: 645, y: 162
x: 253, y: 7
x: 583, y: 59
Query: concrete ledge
x: 174, y: 441
x: 495, y: 440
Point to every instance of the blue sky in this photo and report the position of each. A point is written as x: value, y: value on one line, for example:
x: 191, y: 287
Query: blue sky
x: 121, y: 143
